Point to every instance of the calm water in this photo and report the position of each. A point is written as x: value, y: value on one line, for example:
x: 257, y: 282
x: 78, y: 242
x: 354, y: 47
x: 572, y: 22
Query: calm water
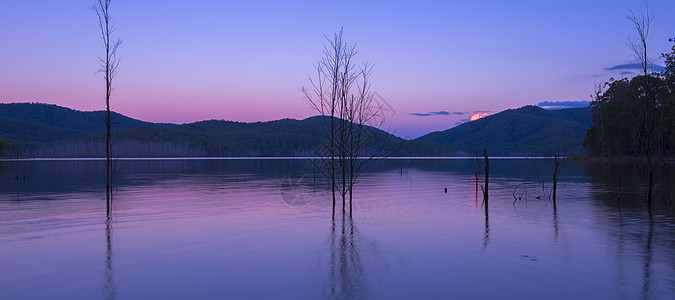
x: 263, y: 229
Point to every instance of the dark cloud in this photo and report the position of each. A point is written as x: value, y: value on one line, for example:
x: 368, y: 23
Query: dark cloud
x: 563, y: 104
x: 480, y: 111
x: 433, y: 113
x: 635, y: 66
x: 459, y: 113
x: 462, y: 121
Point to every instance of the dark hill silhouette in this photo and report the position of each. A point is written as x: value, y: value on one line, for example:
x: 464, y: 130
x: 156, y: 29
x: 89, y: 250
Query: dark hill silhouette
x: 529, y: 130
x: 37, y: 122
x: 42, y: 130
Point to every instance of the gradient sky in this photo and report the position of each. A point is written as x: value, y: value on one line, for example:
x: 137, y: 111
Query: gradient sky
x: 184, y: 61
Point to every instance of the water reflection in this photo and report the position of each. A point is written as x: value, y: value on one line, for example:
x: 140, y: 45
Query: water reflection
x: 346, y: 278
x: 641, y: 238
x: 486, y: 233
x: 109, y: 290
x: 622, y: 184
x: 229, y: 212
x: 648, y: 256
x: 109, y: 285
x: 556, y: 225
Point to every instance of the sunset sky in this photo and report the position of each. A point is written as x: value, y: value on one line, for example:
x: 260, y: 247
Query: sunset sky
x: 435, y: 62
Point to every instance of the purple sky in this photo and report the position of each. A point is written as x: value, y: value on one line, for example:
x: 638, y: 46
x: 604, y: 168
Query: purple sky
x: 184, y: 61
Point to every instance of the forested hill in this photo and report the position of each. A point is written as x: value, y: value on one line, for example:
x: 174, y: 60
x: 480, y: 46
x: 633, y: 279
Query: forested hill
x: 36, y: 122
x: 528, y: 130
x: 41, y: 130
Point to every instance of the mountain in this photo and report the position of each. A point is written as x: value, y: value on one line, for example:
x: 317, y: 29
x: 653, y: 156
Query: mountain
x: 529, y: 130
x: 38, y: 123
x: 41, y: 130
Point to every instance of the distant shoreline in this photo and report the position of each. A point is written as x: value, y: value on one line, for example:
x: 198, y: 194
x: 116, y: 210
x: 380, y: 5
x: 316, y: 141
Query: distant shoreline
x: 265, y: 158
x: 594, y: 158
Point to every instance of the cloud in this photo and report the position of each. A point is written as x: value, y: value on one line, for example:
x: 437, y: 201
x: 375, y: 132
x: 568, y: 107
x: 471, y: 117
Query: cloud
x: 563, y: 104
x: 459, y: 113
x: 440, y: 113
x: 635, y: 66
x: 433, y: 113
x: 462, y: 121
x: 481, y: 111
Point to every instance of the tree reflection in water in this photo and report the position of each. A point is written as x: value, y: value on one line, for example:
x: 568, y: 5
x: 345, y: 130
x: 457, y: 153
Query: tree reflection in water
x: 346, y: 279
x: 109, y: 290
x: 486, y: 233
x: 647, y: 283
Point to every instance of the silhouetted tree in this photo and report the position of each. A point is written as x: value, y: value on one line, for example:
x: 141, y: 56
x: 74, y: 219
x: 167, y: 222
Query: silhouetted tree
x: 342, y: 92
x: 635, y: 116
x: 108, y: 67
x: 558, y: 163
x: 639, y: 46
x: 5, y: 148
x: 487, y: 178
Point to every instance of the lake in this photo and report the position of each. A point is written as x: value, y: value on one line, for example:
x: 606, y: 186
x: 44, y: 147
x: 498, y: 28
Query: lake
x: 264, y: 228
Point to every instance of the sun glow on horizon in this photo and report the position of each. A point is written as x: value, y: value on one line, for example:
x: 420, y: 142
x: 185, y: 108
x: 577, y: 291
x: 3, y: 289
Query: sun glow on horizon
x: 477, y: 116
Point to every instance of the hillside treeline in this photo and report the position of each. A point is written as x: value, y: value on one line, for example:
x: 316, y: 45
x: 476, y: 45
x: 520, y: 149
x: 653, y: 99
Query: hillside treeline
x: 636, y: 116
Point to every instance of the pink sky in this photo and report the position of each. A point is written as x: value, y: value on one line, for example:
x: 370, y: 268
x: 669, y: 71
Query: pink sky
x: 189, y: 61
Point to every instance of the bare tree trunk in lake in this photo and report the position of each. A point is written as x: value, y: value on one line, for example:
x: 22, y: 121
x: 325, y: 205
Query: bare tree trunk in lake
x: 642, y: 25
x: 486, y: 237
x: 342, y: 92
x: 108, y: 67
x: 487, y: 176
x: 556, y: 173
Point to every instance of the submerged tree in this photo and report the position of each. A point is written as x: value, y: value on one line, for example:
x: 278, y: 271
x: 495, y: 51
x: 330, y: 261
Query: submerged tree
x: 349, y: 135
x: 108, y: 67
x: 5, y: 148
x: 642, y: 25
x: 634, y: 117
x: 558, y: 163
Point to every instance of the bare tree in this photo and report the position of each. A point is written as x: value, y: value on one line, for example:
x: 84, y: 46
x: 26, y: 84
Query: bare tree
x: 487, y: 178
x: 642, y: 23
x: 558, y: 163
x: 108, y: 67
x: 342, y: 92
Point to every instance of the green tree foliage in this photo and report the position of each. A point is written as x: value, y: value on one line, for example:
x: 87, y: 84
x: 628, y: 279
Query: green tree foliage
x: 635, y: 117
x: 5, y: 148
x: 669, y: 72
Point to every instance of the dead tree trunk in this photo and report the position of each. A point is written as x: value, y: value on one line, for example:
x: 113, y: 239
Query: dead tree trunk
x: 487, y: 177
x: 108, y: 67
x: 342, y: 92
x: 642, y: 23
x: 555, y: 178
